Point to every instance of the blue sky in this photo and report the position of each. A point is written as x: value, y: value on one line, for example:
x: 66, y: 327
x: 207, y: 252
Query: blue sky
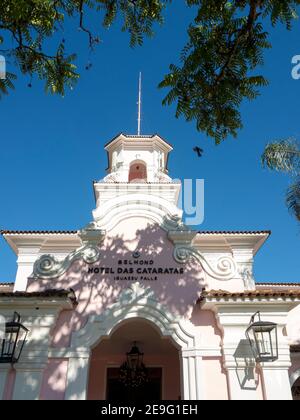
x: 52, y: 147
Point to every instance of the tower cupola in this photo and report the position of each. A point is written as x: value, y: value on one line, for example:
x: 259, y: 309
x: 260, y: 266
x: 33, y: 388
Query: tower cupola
x: 137, y: 158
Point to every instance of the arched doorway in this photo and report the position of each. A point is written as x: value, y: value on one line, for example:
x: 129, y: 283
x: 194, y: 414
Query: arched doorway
x: 137, y: 171
x: 134, y: 303
x: 161, y: 358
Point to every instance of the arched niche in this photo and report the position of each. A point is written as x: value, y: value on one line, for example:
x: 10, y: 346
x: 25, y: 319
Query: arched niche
x: 137, y: 171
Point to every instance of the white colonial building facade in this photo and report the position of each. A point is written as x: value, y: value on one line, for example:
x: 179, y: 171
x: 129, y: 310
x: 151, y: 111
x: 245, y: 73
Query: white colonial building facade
x: 137, y: 276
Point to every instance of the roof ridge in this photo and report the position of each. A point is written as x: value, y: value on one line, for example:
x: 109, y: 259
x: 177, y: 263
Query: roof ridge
x: 278, y: 284
x: 48, y: 293
x: 248, y: 293
x: 7, y: 232
x: 235, y: 232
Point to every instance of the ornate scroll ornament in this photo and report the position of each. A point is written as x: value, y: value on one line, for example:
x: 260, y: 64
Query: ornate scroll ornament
x: 48, y: 266
x: 225, y: 268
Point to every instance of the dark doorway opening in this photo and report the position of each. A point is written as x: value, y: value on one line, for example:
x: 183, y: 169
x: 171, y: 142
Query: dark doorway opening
x: 150, y: 391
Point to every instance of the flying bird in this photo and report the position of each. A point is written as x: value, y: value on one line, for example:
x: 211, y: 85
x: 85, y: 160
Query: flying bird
x: 198, y: 150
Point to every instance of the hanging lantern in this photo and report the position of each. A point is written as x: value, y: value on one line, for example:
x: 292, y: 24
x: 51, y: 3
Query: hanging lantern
x: 13, y: 340
x: 262, y: 336
x: 133, y: 372
x: 135, y: 357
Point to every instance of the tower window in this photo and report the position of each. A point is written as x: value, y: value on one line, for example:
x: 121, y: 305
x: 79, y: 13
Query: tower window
x: 137, y: 172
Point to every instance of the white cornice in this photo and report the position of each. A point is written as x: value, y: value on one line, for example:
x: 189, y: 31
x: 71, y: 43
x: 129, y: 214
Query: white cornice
x: 108, y: 191
x: 284, y: 303
x: 43, y: 242
x: 230, y: 242
x: 137, y: 142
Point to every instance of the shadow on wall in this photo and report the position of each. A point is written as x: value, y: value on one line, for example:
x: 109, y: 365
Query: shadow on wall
x: 246, y: 366
x: 99, y: 285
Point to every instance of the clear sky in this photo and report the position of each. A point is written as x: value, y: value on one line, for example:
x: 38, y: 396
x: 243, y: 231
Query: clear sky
x: 52, y: 147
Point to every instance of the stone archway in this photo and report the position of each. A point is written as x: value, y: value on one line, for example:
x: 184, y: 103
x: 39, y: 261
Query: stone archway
x: 136, y: 302
x: 161, y: 358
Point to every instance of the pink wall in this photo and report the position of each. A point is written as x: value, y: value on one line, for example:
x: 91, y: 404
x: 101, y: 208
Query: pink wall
x: 54, y: 380
x: 178, y: 292
x: 9, y: 385
x: 215, y: 379
x: 260, y: 385
x: 95, y: 291
x: 206, y: 323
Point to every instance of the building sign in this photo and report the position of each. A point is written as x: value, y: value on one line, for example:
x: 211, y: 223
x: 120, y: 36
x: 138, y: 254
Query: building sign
x: 135, y: 269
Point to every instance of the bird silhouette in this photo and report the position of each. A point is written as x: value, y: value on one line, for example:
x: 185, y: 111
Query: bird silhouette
x: 198, y: 150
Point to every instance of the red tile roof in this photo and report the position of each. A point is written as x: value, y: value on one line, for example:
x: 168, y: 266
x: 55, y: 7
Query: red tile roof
x: 48, y: 232
x: 74, y: 232
x: 50, y: 293
x: 234, y: 232
x: 249, y: 294
x: 278, y: 284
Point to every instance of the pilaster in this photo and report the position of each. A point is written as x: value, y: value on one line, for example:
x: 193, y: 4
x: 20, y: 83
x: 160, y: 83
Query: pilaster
x: 77, y: 377
x: 192, y: 375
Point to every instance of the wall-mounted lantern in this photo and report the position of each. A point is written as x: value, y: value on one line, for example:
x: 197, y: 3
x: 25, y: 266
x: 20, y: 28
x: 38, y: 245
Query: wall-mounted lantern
x: 133, y: 372
x: 262, y: 336
x: 13, y: 340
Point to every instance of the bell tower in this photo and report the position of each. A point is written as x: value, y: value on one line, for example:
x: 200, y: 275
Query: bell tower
x: 137, y: 181
x: 137, y: 158
x: 137, y: 173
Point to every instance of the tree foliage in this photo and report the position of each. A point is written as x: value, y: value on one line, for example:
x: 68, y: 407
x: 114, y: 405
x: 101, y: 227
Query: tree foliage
x: 29, y: 24
x: 284, y: 156
x: 216, y: 70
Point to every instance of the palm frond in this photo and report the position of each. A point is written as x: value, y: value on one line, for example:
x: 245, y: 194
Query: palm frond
x: 293, y: 198
x: 282, y: 156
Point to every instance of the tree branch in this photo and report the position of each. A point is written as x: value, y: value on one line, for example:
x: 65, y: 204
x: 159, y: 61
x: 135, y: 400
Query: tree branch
x: 81, y: 12
x: 252, y: 17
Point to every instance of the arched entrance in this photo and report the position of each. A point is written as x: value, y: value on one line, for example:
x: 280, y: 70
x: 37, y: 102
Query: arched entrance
x: 161, y: 358
x: 134, y: 303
